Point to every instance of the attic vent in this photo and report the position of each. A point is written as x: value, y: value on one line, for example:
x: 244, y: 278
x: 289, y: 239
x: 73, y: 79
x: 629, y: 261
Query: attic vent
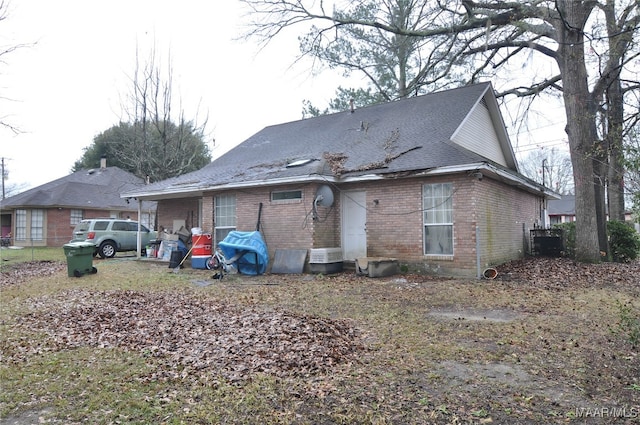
x: 91, y: 171
x: 299, y: 163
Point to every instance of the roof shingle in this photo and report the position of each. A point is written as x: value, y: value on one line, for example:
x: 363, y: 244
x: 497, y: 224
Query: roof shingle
x: 405, y: 135
x: 96, y: 189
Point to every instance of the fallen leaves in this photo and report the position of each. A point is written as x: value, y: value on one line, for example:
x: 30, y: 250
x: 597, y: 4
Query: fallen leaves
x: 187, y: 334
x: 557, y: 351
x: 562, y: 273
x: 21, y: 272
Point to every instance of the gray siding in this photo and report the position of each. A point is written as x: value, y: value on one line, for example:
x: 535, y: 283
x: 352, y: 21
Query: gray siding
x: 478, y: 135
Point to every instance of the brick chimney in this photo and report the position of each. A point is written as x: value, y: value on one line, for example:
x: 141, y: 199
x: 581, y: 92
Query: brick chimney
x: 103, y: 162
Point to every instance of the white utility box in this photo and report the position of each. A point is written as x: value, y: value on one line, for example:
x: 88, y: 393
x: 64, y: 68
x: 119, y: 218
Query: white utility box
x: 325, y: 260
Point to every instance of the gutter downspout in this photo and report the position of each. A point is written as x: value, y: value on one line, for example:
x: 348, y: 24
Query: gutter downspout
x: 479, y: 268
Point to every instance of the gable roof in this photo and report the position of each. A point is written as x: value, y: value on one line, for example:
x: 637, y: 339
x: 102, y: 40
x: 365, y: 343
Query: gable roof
x: 413, y: 135
x: 85, y: 189
x: 564, y: 206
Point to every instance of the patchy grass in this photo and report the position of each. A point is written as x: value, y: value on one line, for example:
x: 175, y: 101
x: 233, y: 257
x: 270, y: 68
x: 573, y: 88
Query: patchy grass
x: 12, y: 256
x: 518, y: 349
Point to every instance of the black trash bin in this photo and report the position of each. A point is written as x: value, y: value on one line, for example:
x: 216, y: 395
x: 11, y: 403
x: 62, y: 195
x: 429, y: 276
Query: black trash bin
x: 176, y: 259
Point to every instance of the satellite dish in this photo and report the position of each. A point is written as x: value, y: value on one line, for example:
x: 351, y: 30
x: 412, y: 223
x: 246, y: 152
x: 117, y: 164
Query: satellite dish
x: 324, y: 196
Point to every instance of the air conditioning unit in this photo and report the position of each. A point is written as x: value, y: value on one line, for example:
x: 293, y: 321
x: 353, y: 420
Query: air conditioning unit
x: 325, y: 260
x: 325, y: 255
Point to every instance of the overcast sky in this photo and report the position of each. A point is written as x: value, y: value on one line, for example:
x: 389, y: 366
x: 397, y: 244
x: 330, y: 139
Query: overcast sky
x: 68, y: 87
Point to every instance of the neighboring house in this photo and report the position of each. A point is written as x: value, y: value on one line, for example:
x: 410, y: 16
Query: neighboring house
x: 430, y: 180
x: 562, y: 210
x: 47, y: 214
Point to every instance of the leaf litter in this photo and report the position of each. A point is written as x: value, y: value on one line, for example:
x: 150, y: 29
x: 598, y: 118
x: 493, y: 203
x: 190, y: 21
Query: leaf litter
x: 17, y: 273
x: 187, y: 334
x: 561, y: 346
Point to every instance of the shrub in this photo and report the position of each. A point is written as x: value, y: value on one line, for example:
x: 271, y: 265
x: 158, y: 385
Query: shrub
x: 569, y: 238
x: 624, y: 241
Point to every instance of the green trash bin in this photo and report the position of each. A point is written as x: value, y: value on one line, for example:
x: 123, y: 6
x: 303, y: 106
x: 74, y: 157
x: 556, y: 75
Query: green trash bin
x: 79, y: 258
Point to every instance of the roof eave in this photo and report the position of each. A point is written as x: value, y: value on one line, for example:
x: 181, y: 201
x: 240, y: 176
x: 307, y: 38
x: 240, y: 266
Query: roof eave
x: 497, y: 173
x: 483, y: 167
x: 182, y: 192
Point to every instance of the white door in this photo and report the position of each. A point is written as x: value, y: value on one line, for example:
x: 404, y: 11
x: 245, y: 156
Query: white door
x: 354, y: 224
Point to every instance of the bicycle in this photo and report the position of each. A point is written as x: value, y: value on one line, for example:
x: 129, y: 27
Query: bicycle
x: 218, y: 263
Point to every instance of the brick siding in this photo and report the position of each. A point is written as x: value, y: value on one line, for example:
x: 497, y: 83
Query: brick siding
x: 186, y: 209
x: 58, y: 227
x: 502, y: 214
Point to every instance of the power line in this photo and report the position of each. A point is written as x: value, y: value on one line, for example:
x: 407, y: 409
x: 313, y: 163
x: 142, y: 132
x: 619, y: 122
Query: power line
x: 541, y: 145
x: 531, y: 130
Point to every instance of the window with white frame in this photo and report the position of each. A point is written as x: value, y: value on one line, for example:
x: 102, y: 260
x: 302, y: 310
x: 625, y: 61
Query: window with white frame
x: 37, y: 225
x: 76, y: 216
x: 286, y: 196
x: 224, y: 216
x: 21, y: 225
x: 437, y: 204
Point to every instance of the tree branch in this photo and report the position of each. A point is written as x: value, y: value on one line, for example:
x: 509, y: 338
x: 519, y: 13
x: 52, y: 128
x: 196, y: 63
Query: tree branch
x: 533, y: 89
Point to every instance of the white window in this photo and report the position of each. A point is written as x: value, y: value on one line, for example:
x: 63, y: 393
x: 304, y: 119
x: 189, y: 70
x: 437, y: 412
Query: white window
x: 21, y: 225
x: 76, y: 216
x: 437, y: 204
x: 37, y: 225
x: 146, y: 219
x: 224, y: 216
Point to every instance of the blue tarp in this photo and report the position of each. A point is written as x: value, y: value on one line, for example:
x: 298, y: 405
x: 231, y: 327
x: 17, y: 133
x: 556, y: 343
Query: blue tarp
x: 182, y: 248
x: 254, y: 256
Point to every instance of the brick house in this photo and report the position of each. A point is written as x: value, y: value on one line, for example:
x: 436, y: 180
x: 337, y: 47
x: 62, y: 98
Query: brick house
x: 563, y: 210
x: 46, y: 215
x: 430, y: 180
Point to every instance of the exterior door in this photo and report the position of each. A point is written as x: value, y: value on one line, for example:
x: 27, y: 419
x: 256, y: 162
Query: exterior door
x: 354, y: 224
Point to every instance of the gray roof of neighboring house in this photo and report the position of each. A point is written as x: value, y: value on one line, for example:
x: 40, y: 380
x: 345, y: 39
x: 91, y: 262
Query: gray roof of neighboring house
x: 86, y: 189
x: 564, y: 206
x: 403, y: 136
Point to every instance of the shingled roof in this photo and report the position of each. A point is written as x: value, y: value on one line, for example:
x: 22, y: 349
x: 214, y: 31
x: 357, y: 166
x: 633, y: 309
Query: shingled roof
x: 404, y: 136
x: 564, y: 206
x: 95, y: 189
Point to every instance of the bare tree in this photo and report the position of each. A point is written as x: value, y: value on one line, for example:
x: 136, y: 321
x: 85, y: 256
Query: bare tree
x: 161, y: 144
x: 494, y: 34
x: 4, y: 51
x: 611, y: 49
x: 549, y: 167
x: 632, y: 162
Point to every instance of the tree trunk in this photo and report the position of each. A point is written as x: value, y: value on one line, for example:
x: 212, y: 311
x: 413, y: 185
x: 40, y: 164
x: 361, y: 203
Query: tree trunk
x: 581, y: 127
x: 599, y: 184
x: 615, y: 117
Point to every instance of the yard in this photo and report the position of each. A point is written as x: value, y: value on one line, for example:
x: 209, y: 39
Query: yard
x: 547, y: 341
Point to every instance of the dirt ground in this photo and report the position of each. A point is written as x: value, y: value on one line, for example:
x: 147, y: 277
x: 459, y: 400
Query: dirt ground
x: 546, y: 341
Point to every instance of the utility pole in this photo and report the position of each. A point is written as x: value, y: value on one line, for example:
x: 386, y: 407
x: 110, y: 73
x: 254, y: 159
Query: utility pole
x: 545, y: 215
x: 3, y: 177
